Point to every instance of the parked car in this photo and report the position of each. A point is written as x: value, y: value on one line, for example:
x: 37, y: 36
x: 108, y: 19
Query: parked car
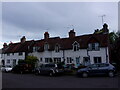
x: 22, y: 68
x: 6, y: 68
x: 69, y: 68
x: 49, y: 69
x: 97, y: 69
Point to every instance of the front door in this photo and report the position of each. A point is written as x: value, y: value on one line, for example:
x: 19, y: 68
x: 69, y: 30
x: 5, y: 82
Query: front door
x: 14, y: 62
x: 77, y: 61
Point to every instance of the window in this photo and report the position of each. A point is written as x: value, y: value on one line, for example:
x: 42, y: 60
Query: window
x: 97, y: 59
x: 35, y: 49
x: 46, y: 46
x: 8, y: 61
x: 75, y: 46
x: 77, y: 60
x: 40, y: 59
x: 86, y: 61
x: 57, y: 60
x: 57, y: 48
x: 103, y: 65
x: 93, y: 66
x: 48, y: 60
x: 14, y: 62
x: 8, y: 54
x: 93, y: 46
x: 69, y: 60
x: 20, y: 53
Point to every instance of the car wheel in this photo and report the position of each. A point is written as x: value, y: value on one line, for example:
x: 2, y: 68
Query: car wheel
x: 111, y: 74
x: 5, y: 70
x: 21, y: 72
x: 51, y: 74
x: 84, y: 75
x: 37, y: 72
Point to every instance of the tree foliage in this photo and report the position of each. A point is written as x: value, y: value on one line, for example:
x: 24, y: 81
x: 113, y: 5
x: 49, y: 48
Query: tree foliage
x: 31, y: 60
x: 113, y: 36
x: 115, y: 47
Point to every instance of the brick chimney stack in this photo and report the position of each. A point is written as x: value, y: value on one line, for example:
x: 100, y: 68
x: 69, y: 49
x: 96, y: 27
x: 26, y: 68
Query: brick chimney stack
x: 105, y: 28
x: 4, y: 45
x: 23, y: 39
x: 71, y: 34
x: 46, y: 35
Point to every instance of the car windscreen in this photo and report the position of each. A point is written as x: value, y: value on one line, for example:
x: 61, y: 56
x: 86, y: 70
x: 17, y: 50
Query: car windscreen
x: 8, y: 66
x: 50, y: 65
x: 59, y: 66
x: 92, y: 66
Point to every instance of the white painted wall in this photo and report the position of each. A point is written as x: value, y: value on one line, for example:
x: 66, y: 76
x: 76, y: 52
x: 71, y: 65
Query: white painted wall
x: 101, y: 53
x: 11, y: 57
x: 73, y: 54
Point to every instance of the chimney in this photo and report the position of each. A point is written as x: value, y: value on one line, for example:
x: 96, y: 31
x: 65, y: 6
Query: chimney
x: 71, y: 34
x: 105, y: 28
x: 46, y: 35
x: 4, y: 45
x: 23, y: 39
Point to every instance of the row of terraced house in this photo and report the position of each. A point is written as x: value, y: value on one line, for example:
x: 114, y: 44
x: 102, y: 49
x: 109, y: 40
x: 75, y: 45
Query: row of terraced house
x: 83, y: 49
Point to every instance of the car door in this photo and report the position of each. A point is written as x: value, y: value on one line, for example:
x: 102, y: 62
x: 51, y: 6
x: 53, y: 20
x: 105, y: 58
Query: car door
x: 93, y: 69
x: 102, y: 68
x: 42, y: 69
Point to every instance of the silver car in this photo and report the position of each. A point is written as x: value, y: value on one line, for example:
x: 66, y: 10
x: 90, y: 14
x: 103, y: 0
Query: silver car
x: 6, y: 68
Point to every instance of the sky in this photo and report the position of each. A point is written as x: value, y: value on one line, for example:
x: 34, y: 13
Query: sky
x: 32, y: 19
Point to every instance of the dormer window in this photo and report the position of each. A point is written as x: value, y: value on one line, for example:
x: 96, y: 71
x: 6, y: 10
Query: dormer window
x: 46, y: 46
x: 57, y: 49
x: 75, y: 46
x: 93, y: 46
x: 35, y: 49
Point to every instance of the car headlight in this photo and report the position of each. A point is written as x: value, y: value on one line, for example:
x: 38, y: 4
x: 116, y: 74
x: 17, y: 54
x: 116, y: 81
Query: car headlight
x: 57, y: 70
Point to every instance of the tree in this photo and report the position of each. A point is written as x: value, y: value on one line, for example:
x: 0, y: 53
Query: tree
x: 113, y: 37
x: 115, y: 48
x: 21, y: 62
x: 31, y: 60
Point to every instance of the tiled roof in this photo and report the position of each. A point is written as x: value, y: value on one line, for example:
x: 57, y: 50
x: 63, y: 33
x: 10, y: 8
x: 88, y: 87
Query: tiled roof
x: 67, y: 43
x: 19, y: 47
x: 64, y: 43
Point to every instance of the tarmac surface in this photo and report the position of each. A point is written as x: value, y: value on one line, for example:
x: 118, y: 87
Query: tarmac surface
x: 11, y: 80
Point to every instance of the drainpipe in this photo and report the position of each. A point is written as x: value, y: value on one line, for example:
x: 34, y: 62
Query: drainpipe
x: 106, y: 55
x: 64, y: 56
x: 88, y: 55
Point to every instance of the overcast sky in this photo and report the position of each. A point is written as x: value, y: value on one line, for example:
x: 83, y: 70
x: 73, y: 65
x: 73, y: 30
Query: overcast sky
x: 32, y: 19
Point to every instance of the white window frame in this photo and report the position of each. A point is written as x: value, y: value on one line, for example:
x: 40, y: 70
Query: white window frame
x: 57, y: 48
x: 8, y: 61
x: 35, y: 49
x: 69, y: 60
x: 93, y: 47
x: 76, y: 46
x: 46, y: 46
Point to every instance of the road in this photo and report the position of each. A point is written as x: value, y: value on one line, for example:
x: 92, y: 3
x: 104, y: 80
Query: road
x: 11, y: 80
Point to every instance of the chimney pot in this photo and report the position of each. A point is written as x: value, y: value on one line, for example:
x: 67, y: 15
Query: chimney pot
x: 23, y: 39
x: 46, y: 35
x: 71, y: 34
x: 4, y: 45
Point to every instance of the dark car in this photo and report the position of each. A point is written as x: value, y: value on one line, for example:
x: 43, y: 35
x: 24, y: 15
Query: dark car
x: 49, y: 69
x: 23, y: 68
x: 97, y: 69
